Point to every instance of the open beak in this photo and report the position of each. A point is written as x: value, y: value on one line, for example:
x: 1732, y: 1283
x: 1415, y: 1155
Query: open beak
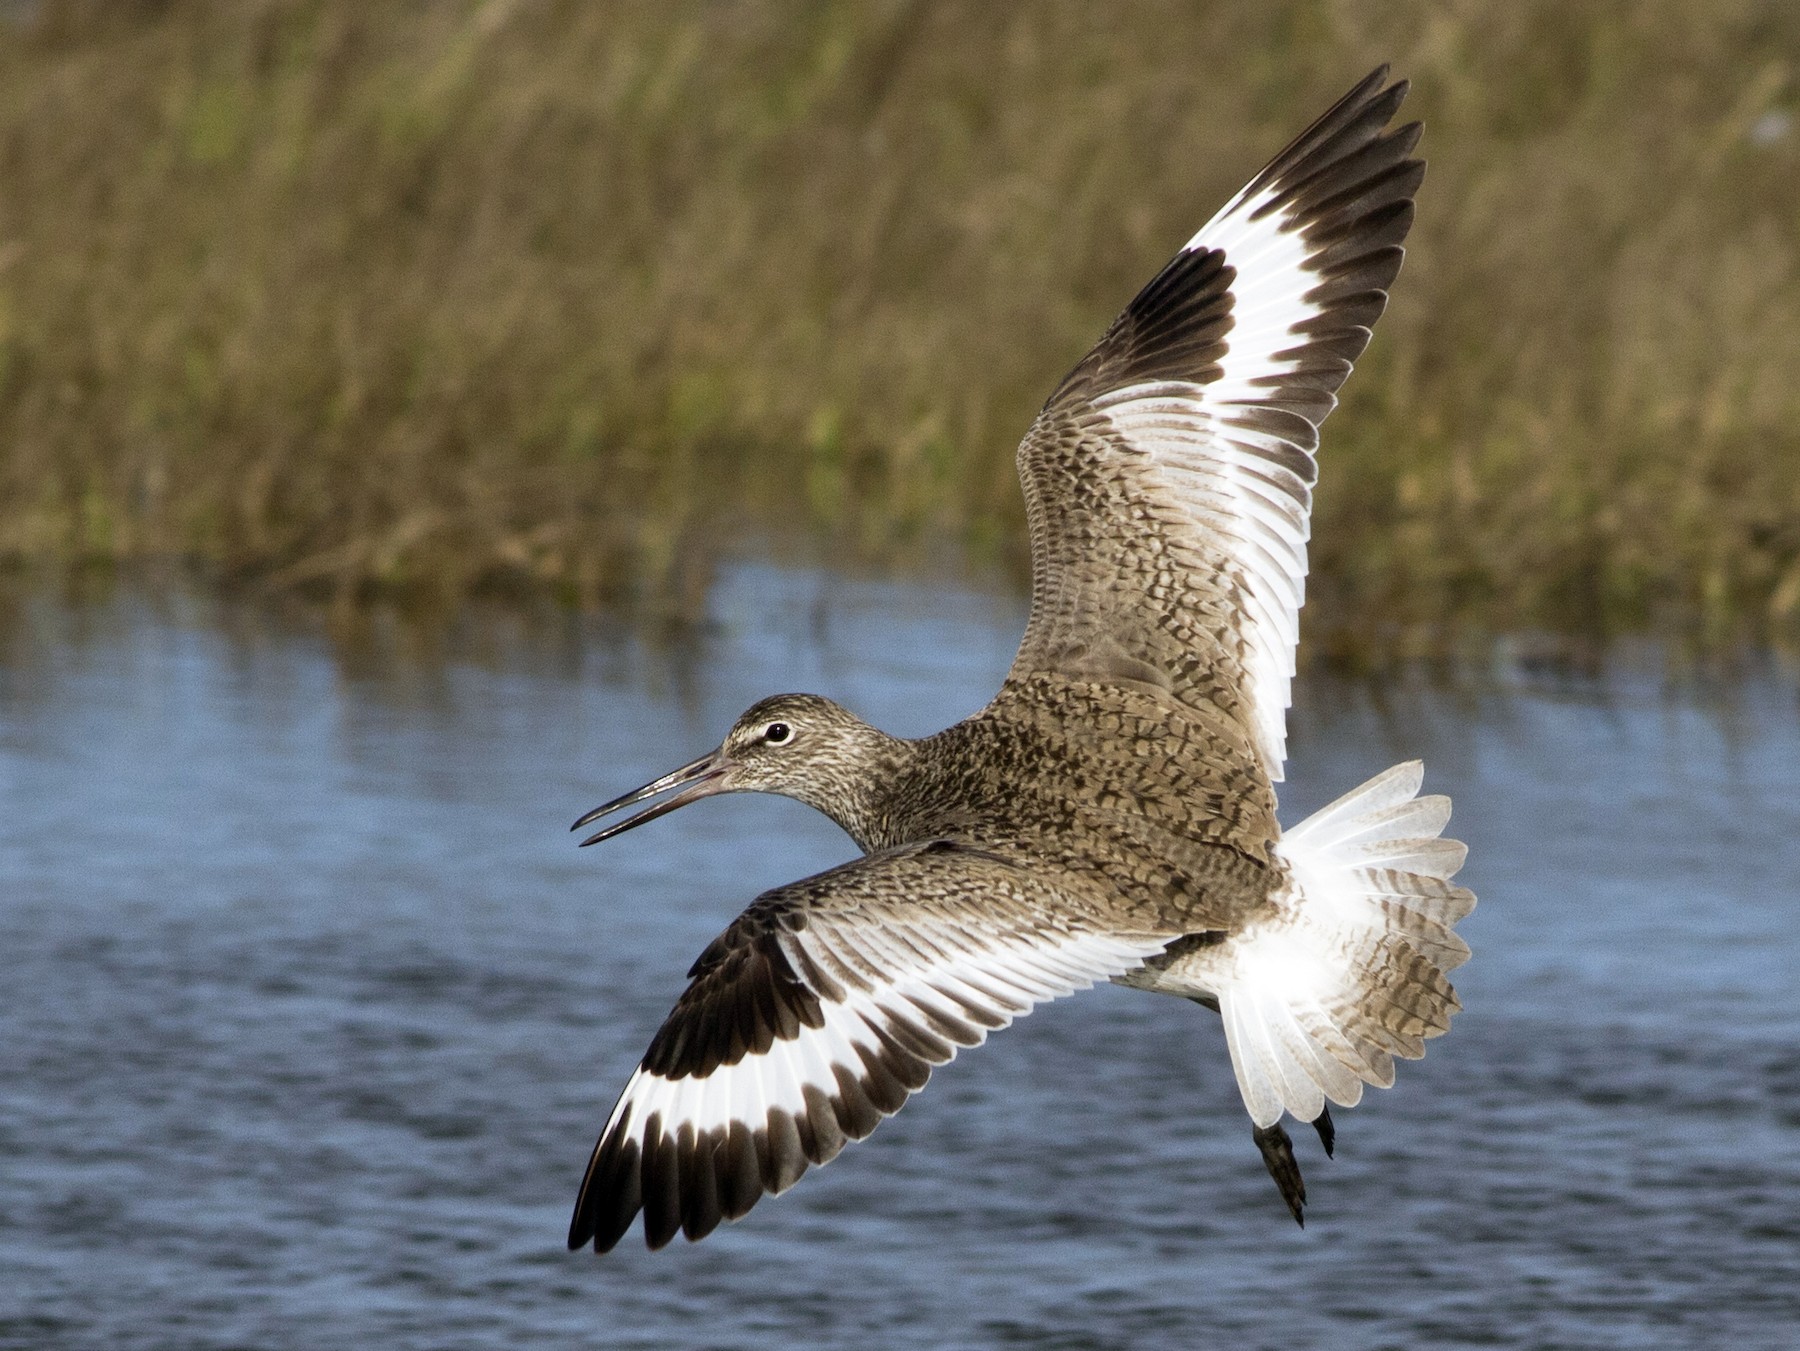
x: 701, y: 778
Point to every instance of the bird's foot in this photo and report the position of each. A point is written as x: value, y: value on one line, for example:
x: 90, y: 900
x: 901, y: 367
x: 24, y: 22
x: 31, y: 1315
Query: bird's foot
x: 1278, y: 1157
x: 1327, y: 1131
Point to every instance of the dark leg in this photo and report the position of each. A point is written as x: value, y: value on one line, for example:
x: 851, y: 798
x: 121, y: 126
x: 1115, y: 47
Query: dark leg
x: 1278, y: 1158
x: 1278, y: 1150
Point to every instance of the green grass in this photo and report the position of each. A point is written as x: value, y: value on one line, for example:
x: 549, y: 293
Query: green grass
x: 442, y: 298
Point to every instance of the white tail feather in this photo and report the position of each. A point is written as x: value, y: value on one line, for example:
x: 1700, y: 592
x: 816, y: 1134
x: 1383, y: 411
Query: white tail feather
x: 1349, y: 971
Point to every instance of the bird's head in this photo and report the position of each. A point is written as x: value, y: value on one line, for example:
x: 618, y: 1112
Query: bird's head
x: 802, y: 746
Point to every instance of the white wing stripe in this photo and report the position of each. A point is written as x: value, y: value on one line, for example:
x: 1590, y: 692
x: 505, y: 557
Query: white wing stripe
x: 1004, y: 981
x: 1213, y: 478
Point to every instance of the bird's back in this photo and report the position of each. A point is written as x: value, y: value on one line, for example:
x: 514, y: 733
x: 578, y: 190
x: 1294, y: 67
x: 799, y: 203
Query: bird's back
x: 1156, y: 812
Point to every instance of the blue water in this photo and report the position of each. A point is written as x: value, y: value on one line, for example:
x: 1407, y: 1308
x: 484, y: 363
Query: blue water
x: 312, y: 1011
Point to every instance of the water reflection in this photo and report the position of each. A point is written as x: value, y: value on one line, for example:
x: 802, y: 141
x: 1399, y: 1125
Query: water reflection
x: 314, y: 1009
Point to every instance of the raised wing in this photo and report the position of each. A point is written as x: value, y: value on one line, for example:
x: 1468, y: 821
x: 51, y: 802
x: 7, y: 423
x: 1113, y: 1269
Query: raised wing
x: 1168, y: 481
x: 819, y: 1012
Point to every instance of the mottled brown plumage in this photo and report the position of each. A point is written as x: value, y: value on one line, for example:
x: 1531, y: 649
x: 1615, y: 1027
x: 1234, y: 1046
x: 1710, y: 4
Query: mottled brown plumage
x: 1111, y: 813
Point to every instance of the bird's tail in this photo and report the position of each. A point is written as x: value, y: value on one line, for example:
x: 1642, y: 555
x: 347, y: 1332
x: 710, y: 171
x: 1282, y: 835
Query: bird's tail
x: 1349, y: 971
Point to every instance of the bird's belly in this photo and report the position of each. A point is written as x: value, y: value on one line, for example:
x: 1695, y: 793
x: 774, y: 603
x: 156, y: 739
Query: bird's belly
x: 1191, y: 968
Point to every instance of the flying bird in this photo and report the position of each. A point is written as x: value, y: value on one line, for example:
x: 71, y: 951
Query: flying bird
x: 1111, y: 814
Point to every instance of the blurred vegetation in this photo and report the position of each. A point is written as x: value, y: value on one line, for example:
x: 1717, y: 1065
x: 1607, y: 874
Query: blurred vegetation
x: 437, y: 298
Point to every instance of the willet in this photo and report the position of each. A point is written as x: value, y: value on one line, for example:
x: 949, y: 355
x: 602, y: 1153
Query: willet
x: 1110, y: 815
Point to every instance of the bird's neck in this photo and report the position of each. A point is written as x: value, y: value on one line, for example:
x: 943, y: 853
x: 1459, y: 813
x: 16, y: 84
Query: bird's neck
x: 867, y: 793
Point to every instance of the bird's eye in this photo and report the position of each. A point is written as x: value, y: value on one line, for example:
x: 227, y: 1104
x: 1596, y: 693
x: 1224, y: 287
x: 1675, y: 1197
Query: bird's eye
x: 776, y: 733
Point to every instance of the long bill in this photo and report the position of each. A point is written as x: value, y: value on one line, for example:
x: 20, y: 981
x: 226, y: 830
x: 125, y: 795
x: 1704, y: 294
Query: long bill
x: 696, y: 779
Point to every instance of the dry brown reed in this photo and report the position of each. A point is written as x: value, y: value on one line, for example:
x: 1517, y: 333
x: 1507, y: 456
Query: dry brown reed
x: 440, y: 297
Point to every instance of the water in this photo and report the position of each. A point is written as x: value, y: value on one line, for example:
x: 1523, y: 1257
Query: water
x: 312, y: 1011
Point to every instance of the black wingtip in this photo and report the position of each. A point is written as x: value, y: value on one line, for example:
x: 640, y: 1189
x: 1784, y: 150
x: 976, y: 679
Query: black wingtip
x: 581, y: 1226
x: 582, y: 1229
x: 1374, y: 80
x: 610, y: 1196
